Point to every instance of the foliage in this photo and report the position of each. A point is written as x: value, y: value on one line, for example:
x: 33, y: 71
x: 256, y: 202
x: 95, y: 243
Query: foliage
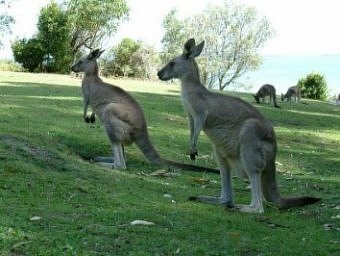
x: 313, y: 86
x: 28, y: 52
x: 5, y: 20
x: 85, y: 209
x: 144, y: 62
x: 174, y: 36
x: 54, y: 36
x: 121, y: 56
x: 232, y: 33
x: 9, y: 65
x: 92, y: 21
x: 131, y: 59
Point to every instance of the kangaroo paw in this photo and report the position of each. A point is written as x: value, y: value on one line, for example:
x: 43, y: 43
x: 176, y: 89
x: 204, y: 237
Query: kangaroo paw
x: 249, y: 208
x: 193, y: 155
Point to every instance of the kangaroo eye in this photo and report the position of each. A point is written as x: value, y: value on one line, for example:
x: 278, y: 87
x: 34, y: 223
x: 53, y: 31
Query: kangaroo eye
x: 172, y: 64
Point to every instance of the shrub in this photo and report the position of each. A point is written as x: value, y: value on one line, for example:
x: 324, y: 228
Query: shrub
x: 313, y: 86
x: 9, y: 65
x: 29, y: 53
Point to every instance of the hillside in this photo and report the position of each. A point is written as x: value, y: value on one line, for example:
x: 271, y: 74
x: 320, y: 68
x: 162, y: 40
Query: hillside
x: 53, y: 202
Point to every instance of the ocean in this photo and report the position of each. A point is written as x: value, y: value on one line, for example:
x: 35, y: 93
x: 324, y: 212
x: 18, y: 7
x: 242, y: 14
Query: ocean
x: 284, y: 71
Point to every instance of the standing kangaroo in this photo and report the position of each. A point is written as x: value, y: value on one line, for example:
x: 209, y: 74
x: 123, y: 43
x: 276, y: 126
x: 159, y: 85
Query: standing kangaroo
x: 293, y: 91
x: 266, y: 90
x: 243, y: 140
x: 123, y: 118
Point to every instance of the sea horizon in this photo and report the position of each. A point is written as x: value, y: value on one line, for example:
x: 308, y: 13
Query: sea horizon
x: 285, y: 70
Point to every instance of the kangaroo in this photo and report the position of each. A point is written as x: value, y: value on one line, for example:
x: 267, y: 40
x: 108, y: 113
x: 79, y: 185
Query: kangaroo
x: 293, y: 91
x: 123, y: 118
x: 243, y: 139
x: 266, y: 90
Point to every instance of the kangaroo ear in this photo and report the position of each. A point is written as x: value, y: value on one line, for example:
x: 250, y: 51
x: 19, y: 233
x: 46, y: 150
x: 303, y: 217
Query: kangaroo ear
x: 191, y: 50
x: 100, y: 53
x: 94, y: 54
x: 189, y: 47
x: 198, y: 49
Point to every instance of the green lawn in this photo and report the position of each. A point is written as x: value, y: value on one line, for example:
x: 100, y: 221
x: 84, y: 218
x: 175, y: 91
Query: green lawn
x: 52, y: 202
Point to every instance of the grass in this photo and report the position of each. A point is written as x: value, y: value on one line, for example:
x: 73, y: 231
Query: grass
x: 52, y: 202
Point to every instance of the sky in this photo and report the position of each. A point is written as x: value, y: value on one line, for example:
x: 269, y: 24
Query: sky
x: 304, y: 27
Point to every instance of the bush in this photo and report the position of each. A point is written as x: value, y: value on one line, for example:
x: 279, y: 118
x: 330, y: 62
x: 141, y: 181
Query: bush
x: 313, y: 86
x: 29, y: 53
x: 9, y: 65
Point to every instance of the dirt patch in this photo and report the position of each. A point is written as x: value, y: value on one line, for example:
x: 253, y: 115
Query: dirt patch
x: 26, y: 149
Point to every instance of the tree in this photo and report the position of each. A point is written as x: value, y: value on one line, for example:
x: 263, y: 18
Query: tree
x: 5, y: 20
x: 54, y: 36
x: 174, y: 36
x: 232, y: 33
x: 143, y: 62
x: 92, y: 21
x: 313, y: 86
x: 29, y: 53
x: 122, y: 55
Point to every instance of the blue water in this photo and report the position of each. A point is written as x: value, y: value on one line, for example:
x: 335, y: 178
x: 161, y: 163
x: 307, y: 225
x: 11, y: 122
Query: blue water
x: 285, y: 71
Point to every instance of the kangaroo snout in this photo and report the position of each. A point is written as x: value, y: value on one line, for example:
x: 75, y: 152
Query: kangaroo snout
x: 161, y: 75
x: 73, y: 68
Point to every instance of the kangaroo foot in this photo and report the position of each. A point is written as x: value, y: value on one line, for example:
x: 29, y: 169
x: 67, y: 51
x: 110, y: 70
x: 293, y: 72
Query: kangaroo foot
x: 103, y: 159
x: 249, y: 208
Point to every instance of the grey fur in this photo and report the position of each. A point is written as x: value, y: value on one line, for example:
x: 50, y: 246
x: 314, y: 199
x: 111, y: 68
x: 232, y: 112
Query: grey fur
x: 266, y: 90
x: 293, y: 91
x: 122, y: 116
x: 243, y: 139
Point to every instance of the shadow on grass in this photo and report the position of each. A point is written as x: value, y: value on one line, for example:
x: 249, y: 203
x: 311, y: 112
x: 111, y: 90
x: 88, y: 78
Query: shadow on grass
x: 57, y: 110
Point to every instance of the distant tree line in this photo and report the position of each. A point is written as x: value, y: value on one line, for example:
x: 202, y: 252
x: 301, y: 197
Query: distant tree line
x: 233, y: 35
x: 66, y: 31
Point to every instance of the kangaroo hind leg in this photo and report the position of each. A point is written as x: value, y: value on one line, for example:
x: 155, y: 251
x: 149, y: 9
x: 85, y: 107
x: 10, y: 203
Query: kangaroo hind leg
x: 119, y: 132
x: 226, y: 197
x: 253, y: 161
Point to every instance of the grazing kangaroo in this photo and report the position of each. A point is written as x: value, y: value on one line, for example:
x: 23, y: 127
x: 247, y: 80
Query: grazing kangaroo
x: 243, y: 139
x: 122, y: 116
x: 266, y: 90
x: 293, y: 91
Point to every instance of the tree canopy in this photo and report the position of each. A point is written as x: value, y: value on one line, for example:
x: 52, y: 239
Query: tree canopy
x: 54, y: 37
x: 49, y: 49
x: 5, y: 20
x: 92, y: 21
x: 232, y: 33
x: 174, y: 36
x: 65, y: 30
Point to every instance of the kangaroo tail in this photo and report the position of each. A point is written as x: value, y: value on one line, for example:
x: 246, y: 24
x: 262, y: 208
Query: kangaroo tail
x: 288, y: 202
x: 190, y: 167
x: 272, y: 194
x: 144, y: 144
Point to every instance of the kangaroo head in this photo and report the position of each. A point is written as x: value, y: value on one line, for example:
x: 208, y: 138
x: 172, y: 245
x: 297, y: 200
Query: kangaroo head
x: 88, y: 63
x: 282, y: 96
x: 182, y: 64
x: 257, y: 98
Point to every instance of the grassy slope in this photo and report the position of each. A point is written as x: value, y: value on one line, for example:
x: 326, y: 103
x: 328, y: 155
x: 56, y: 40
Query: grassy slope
x: 84, y: 209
